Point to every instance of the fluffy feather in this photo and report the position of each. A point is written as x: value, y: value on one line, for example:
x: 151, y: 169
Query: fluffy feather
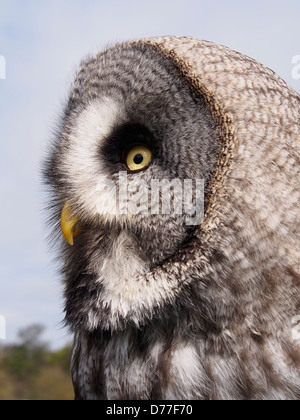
x: 160, y: 309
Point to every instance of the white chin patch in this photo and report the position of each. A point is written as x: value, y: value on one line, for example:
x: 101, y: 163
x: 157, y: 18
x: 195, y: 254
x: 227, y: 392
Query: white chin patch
x: 120, y: 266
x: 82, y: 166
x: 127, y: 293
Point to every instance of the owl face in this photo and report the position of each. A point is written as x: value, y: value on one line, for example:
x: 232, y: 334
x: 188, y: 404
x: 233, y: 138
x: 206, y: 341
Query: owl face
x: 133, y: 146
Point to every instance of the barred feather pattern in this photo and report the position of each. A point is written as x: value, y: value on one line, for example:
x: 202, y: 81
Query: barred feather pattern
x: 160, y: 310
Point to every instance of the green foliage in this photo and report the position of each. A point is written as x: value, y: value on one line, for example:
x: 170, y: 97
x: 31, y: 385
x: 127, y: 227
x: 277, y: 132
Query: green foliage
x: 30, y: 371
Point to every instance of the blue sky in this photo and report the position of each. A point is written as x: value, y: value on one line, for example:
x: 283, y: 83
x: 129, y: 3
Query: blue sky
x: 43, y: 42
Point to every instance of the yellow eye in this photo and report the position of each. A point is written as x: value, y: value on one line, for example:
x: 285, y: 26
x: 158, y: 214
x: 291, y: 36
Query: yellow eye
x: 138, y: 158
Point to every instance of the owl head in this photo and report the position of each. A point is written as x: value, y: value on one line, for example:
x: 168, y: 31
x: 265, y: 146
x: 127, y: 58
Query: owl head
x: 175, y: 191
x: 172, y: 175
x: 129, y: 170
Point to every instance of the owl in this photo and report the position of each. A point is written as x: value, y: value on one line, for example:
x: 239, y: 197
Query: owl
x: 174, y: 177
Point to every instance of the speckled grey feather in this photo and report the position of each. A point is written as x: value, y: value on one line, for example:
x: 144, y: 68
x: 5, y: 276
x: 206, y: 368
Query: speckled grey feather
x: 160, y: 310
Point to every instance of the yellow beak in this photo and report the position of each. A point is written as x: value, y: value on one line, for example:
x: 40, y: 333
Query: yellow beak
x: 69, y: 225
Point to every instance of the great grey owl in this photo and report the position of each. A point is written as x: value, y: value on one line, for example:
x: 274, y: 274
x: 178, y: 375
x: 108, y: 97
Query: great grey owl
x: 195, y: 298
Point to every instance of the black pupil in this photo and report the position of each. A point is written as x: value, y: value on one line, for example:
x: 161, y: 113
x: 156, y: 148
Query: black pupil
x: 138, y: 159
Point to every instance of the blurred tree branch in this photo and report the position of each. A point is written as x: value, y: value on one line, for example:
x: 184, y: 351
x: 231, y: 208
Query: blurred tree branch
x: 29, y: 370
